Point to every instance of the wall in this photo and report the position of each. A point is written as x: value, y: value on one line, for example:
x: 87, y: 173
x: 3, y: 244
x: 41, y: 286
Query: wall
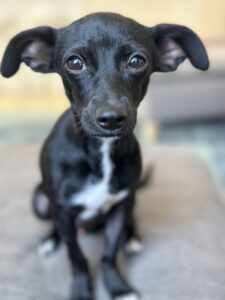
x: 206, y: 17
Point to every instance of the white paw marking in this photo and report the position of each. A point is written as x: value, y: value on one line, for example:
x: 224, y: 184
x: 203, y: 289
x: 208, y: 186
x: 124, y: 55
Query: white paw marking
x: 42, y: 203
x: 47, y: 247
x: 128, y: 297
x: 134, y: 246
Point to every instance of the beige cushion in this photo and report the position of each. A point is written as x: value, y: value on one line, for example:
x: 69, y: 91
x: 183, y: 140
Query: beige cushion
x: 181, y: 218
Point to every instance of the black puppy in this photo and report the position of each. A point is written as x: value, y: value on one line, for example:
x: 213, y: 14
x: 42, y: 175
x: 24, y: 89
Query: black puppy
x: 91, y: 162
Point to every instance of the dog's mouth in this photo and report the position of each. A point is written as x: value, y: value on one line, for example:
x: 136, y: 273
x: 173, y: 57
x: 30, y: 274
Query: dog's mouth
x: 110, y: 134
x: 96, y: 131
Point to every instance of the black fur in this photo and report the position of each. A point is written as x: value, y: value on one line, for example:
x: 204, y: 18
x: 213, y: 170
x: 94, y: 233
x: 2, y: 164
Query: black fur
x: 104, y: 98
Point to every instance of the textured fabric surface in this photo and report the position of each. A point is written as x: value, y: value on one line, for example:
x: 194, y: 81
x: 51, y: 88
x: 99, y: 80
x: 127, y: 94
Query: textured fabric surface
x: 181, y: 219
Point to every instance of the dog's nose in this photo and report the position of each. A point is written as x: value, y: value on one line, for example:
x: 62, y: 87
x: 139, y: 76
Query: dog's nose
x: 111, y: 119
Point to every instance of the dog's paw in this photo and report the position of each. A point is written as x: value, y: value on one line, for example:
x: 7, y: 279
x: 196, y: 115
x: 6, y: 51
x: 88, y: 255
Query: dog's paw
x: 134, y: 246
x: 47, y: 247
x: 131, y: 296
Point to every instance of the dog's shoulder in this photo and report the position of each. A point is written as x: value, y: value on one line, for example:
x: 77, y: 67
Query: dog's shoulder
x: 63, y: 138
x: 64, y: 129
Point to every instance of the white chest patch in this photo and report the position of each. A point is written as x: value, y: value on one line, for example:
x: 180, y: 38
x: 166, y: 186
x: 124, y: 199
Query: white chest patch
x: 96, y: 197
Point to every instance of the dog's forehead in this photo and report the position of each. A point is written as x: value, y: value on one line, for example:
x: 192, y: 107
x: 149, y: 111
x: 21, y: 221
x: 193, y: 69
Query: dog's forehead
x: 105, y: 26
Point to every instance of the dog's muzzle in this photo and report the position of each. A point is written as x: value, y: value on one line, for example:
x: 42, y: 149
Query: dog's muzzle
x: 108, y: 121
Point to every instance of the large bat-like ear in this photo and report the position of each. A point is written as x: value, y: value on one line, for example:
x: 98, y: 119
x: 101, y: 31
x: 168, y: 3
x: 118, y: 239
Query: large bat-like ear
x: 173, y: 44
x: 34, y: 47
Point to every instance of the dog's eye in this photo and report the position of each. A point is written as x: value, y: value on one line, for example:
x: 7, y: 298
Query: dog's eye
x: 137, y: 62
x: 75, y: 63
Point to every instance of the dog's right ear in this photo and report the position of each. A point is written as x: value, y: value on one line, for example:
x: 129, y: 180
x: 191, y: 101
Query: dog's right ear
x: 173, y: 44
x: 34, y: 47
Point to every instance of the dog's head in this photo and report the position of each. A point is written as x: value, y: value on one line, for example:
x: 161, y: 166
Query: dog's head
x: 105, y: 61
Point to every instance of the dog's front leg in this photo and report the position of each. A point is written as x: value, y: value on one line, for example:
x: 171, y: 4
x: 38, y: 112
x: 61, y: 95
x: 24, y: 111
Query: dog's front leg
x: 117, y: 286
x: 82, y: 287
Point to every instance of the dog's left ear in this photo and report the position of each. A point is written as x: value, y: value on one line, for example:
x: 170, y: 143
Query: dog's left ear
x: 34, y: 47
x: 173, y: 44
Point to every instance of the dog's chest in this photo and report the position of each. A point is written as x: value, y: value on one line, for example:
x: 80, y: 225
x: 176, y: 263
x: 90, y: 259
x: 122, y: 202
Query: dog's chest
x: 96, y: 196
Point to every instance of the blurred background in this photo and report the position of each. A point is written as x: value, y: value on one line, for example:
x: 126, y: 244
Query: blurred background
x: 185, y: 108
